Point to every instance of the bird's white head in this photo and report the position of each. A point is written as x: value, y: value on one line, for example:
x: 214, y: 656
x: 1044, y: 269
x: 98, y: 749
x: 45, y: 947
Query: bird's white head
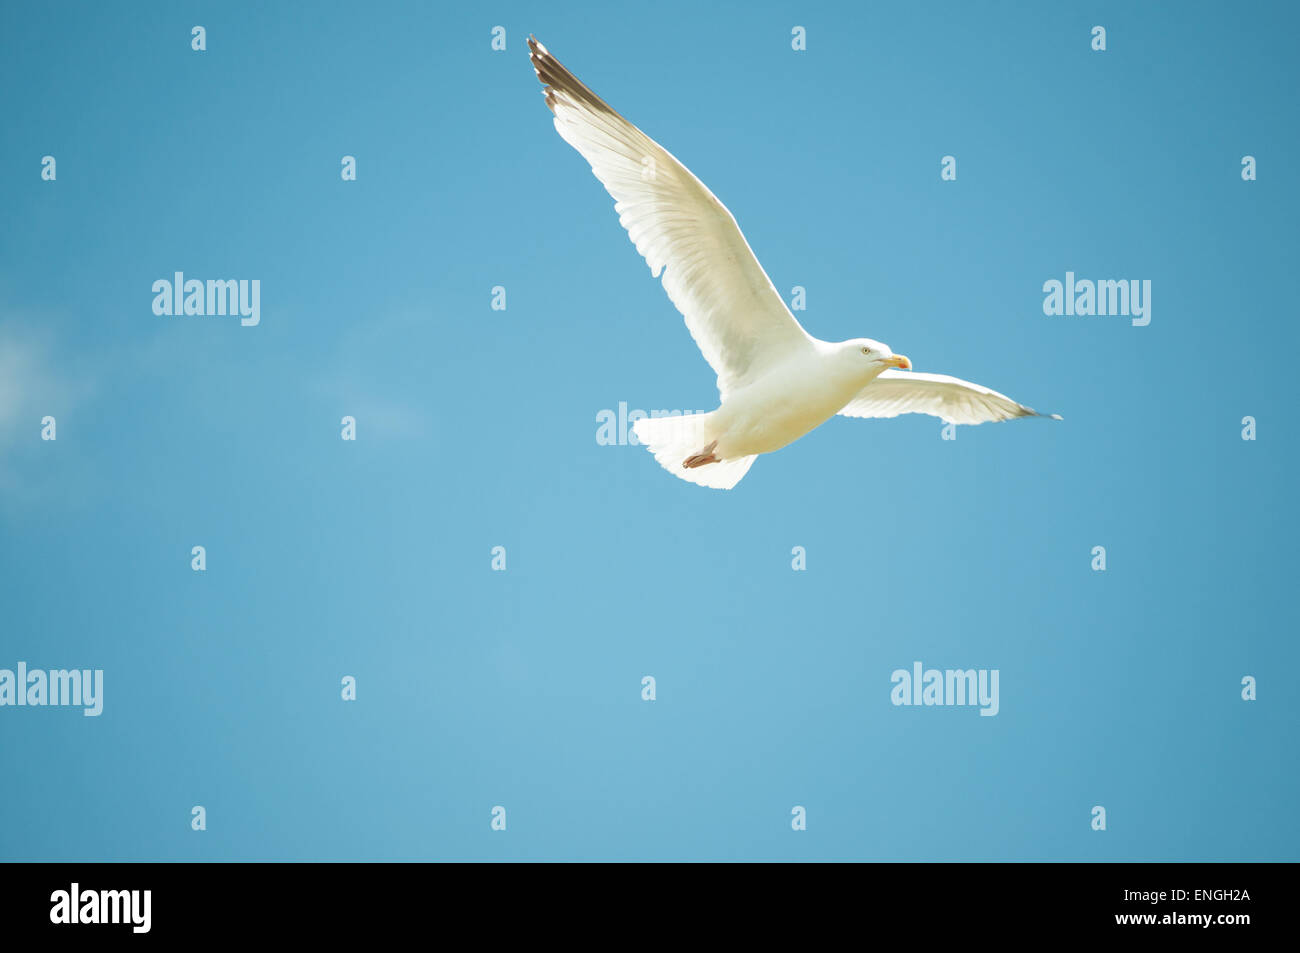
x: 870, y: 357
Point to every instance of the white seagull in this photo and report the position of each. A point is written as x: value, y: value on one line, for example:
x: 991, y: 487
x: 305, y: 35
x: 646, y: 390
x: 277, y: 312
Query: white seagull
x: 776, y: 381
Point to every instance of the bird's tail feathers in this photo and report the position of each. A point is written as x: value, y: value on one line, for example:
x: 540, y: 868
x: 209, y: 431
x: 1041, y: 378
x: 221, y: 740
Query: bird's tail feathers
x: 673, y: 440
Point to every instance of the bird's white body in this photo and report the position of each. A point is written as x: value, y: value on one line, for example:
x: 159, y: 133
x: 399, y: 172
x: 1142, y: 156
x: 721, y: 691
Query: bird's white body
x: 799, y: 394
x: 775, y: 380
x: 806, y: 386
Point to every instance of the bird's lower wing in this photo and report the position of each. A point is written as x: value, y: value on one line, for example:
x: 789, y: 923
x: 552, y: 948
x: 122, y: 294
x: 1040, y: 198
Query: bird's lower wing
x: 732, y: 309
x: 949, y: 398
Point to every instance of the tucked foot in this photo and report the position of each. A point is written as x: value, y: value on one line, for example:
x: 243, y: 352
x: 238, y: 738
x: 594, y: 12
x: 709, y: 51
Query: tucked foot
x: 704, y: 456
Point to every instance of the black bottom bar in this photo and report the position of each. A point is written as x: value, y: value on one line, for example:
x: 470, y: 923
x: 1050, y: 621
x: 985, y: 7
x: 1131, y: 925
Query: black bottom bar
x: 373, y: 901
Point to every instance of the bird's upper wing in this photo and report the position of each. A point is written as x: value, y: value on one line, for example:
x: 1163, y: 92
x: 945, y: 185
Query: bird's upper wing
x: 732, y: 310
x: 949, y: 398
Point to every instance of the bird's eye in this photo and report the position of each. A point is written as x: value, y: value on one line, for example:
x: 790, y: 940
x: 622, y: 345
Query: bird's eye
x: 866, y: 350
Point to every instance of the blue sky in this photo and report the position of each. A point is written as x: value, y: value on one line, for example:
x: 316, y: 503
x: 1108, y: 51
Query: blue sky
x: 476, y: 428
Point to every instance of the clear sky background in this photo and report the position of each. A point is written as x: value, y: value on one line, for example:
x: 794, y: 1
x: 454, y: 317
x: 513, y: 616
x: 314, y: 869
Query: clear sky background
x: 477, y: 428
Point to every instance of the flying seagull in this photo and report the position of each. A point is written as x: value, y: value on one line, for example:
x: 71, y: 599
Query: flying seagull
x: 776, y: 382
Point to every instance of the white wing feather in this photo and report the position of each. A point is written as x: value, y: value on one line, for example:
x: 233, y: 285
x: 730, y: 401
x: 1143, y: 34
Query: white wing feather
x: 731, y: 308
x: 949, y: 398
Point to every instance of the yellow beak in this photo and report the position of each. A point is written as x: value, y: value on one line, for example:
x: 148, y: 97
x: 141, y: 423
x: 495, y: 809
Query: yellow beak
x: 900, y: 361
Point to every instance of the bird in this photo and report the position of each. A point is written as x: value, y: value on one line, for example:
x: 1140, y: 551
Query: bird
x: 776, y: 382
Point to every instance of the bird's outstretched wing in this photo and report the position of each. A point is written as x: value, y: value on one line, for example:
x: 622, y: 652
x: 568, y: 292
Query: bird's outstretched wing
x: 732, y: 310
x: 949, y: 398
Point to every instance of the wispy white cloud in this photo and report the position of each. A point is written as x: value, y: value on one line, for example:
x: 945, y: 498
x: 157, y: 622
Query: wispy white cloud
x: 34, y: 383
x: 357, y: 376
